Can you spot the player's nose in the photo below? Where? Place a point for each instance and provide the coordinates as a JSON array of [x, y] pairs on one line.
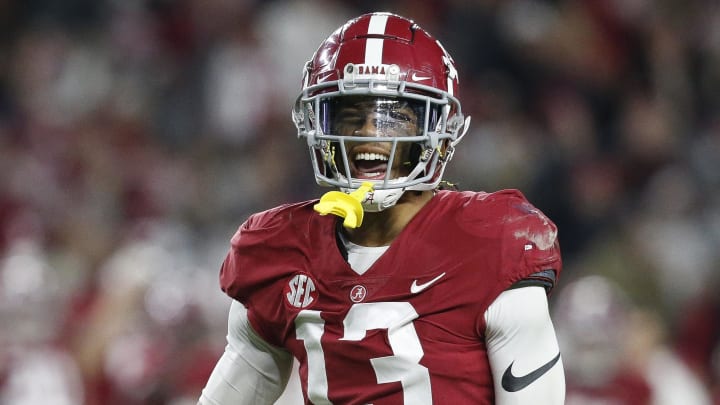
[[370, 126]]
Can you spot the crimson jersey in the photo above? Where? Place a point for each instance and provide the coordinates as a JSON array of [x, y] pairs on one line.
[[409, 330]]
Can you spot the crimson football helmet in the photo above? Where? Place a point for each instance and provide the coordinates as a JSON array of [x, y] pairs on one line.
[[380, 103]]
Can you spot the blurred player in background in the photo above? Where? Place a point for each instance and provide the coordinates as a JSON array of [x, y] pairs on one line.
[[615, 350], [392, 290]]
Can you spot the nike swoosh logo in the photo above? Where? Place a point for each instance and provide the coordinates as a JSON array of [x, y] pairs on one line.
[[416, 288], [323, 78], [512, 384], [417, 78]]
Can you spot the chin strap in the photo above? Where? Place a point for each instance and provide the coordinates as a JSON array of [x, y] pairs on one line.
[[347, 206]]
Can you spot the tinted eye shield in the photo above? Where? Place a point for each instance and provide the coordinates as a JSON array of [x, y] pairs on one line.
[[331, 138], [372, 117]]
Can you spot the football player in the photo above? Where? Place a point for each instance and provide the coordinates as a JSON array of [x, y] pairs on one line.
[[407, 293]]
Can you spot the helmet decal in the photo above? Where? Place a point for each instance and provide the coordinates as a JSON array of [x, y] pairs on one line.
[[354, 72], [374, 46]]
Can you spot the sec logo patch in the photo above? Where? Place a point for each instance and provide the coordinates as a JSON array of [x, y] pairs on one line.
[[300, 291]]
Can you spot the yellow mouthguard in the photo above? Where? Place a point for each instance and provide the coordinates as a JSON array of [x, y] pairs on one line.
[[344, 205]]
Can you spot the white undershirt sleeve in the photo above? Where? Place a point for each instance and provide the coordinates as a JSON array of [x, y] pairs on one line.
[[523, 350], [250, 371]]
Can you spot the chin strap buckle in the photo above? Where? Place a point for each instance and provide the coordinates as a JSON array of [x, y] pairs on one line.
[[347, 206]]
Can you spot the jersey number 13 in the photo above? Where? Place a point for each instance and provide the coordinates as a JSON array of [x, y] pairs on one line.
[[402, 366]]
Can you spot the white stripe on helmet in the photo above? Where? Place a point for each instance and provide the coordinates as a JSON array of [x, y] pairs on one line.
[[374, 46]]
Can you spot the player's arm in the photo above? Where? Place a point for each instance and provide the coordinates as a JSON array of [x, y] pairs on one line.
[[523, 350], [251, 371]]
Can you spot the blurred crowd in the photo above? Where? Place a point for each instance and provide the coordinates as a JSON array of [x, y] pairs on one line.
[[136, 135]]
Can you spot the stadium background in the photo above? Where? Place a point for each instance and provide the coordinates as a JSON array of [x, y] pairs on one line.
[[135, 136]]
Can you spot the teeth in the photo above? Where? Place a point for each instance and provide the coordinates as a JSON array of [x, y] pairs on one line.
[[371, 156]]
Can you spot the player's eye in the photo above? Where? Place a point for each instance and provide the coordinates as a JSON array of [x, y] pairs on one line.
[[347, 121], [401, 117]]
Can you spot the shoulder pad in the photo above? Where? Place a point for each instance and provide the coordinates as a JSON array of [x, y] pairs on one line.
[[274, 219]]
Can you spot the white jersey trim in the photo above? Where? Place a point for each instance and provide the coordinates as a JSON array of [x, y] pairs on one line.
[[360, 258]]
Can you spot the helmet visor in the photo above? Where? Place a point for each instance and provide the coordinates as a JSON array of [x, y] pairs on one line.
[[373, 116]]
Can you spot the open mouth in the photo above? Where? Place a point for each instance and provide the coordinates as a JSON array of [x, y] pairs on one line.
[[370, 165]]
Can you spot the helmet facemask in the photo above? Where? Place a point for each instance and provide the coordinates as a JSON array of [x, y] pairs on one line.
[[398, 143]]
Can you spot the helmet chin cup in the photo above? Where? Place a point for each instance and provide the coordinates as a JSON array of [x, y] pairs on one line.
[[378, 200]]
